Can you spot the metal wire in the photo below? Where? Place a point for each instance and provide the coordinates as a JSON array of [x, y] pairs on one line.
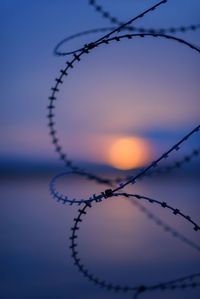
[[64, 72], [121, 27], [183, 282], [166, 227], [172, 30], [161, 170], [105, 14], [123, 288]]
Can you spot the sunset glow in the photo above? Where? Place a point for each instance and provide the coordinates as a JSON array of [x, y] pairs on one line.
[[129, 152]]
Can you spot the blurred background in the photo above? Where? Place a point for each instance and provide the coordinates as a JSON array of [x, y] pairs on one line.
[[119, 108]]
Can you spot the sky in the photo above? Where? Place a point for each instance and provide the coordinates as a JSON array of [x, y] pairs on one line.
[[144, 87]]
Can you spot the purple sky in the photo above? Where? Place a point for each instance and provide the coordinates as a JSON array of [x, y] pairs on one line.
[[137, 87]]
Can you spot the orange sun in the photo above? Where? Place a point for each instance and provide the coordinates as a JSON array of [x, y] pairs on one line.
[[129, 152]]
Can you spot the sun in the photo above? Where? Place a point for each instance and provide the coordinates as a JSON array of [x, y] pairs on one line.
[[129, 152]]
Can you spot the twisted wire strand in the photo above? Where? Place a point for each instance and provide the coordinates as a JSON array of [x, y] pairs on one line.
[[172, 30], [109, 193], [178, 283], [167, 168], [105, 37], [163, 204], [169, 287], [123, 25], [166, 227], [179, 280], [58, 52], [150, 215], [161, 170], [156, 162], [62, 197], [116, 287], [64, 72], [176, 164], [55, 89]]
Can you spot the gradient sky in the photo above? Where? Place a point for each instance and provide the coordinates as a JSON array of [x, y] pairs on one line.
[[146, 87]]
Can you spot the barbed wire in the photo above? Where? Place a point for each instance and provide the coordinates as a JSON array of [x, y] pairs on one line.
[[167, 168], [99, 8], [105, 37], [64, 72], [183, 282], [117, 287], [166, 227], [159, 171], [173, 30], [183, 286], [73, 36]]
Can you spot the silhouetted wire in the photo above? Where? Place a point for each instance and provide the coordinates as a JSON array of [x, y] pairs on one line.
[[171, 30], [113, 30], [155, 163], [64, 72], [117, 287], [99, 8], [114, 20], [109, 193], [167, 168], [64, 199], [166, 227], [172, 286], [158, 171], [73, 36]]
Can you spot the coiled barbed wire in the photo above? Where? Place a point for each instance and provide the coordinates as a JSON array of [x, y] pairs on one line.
[[158, 171], [113, 30], [116, 287], [183, 282], [64, 72], [172, 30], [166, 227], [114, 20]]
